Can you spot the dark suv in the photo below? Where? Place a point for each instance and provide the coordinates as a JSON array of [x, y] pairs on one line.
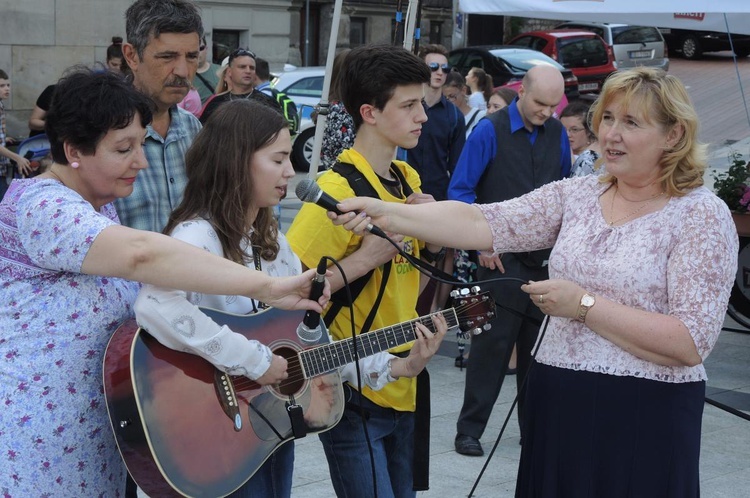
[[508, 64], [691, 44]]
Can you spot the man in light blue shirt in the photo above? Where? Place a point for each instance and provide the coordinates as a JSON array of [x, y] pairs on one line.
[[162, 51]]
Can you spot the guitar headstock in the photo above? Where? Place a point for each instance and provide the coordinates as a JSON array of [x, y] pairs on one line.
[[474, 309]]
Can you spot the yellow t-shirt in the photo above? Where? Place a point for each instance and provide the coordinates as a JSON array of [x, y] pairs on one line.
[[312, 235]]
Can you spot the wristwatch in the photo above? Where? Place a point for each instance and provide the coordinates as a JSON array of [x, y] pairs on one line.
[[587, 302]]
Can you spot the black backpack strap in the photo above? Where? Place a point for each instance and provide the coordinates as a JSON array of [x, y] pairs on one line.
[[339, 299], [371, 316], [357, 180], [473, 117], [206, 83], [404, 184]]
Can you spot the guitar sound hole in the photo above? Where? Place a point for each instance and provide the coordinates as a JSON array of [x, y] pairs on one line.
[[294, 383]]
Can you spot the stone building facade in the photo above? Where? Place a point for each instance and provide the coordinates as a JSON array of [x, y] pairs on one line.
[[39, 39]]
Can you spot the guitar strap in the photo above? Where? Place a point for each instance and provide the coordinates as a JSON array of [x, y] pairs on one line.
[[256, 260]]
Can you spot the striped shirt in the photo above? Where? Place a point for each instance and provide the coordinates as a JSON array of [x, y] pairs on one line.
[[159, 188]]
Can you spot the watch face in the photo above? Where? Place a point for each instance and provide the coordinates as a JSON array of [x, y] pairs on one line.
[[587, 300]]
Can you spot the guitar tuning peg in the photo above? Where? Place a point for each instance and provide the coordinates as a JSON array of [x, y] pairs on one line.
[[464, 291], [475, 289], [487, 326], [476, 331], [454, 293]]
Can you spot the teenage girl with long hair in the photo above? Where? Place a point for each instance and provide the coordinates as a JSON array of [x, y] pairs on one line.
[[238, 168]]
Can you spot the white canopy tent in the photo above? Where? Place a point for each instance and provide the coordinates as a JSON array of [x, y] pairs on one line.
[[731, 16], [727, 16]]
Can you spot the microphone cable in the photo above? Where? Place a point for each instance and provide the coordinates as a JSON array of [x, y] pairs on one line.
[[441, 276], [355, 344], [512, 407]]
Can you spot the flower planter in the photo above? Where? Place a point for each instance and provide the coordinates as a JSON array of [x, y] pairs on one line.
[[742, 222]]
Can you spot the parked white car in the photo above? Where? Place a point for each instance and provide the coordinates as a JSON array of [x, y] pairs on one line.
[[304, 85]]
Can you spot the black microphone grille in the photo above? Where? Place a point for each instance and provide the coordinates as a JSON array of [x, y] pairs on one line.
[[307, 190]]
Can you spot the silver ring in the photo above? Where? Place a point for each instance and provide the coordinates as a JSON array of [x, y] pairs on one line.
[[541, 298]]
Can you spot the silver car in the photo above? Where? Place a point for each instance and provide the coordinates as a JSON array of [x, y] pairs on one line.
[[632, 45], [304, 85]]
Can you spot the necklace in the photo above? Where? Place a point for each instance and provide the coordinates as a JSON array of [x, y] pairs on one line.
[[632, 213], [240, 96]]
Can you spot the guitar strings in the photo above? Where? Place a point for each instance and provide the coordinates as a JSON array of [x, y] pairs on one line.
[[243, 383]]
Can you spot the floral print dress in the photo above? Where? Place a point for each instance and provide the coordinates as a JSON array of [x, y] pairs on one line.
[[55, 436], [339, 135]]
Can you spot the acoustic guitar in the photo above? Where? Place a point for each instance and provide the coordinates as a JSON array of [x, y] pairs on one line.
[[184, 428]]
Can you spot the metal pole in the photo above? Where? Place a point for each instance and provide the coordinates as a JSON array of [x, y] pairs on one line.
[[307, 32], [320, 126]]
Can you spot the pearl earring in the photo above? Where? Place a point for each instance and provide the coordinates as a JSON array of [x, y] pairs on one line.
[[74, 165]]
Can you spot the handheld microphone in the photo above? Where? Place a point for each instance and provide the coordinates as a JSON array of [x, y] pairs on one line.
[[309, 330], [309, 191]]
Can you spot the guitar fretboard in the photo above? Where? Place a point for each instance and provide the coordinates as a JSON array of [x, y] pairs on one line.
[[329, 357]]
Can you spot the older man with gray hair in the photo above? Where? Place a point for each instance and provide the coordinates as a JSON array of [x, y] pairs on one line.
[[162, 50]]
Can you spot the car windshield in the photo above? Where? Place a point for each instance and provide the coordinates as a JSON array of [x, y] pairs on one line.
[[635, 34], [581, 52], [306, 87], [523, 60]]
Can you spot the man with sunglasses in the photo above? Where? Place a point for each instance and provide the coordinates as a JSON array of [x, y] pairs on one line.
[[162, 49], [241, 73], [444, 133], [436, 154]]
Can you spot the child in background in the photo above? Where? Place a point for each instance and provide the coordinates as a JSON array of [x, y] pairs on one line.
[[6, 156]]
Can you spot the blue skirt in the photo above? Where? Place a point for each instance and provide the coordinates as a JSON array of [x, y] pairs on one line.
[[591, 435]]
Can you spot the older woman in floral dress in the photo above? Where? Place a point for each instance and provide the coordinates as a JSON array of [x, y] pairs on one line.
[[68, 272]]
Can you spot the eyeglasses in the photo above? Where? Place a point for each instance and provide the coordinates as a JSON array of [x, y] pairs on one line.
[[575, 129], [452, 97], [434, 66], [240, 52]]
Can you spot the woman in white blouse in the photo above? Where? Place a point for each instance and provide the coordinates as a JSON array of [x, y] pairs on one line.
[[480, 84], [643, 261], [238, 169]]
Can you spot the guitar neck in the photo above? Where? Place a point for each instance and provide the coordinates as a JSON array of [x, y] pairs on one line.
[[323, 359]]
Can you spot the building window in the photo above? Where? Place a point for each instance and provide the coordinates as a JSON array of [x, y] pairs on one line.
[[357, 31], [436, 32], [224, 41]]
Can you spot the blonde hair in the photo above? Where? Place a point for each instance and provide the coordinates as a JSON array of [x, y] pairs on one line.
[[222, 85], [663, 100]]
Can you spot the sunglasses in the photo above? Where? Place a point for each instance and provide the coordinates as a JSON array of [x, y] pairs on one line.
[[434, 66], [240, 52]]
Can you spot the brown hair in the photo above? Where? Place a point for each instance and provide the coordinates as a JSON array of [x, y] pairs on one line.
[[432, 48], [334, 93], [220, 184], [507, 94], [484, 82]]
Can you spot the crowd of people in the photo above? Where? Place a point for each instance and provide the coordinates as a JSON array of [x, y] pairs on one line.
[[159, 199]]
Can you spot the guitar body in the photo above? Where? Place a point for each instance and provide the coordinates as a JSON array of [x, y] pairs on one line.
[[185, 428]]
